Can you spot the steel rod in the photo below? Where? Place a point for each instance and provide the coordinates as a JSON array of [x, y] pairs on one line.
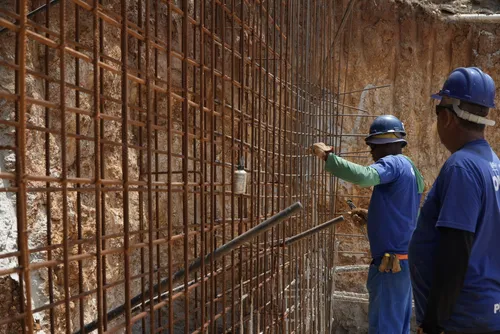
[[473, 18], [313, 230], [195, 265], [141, 126], [364, 89], [36, 11]]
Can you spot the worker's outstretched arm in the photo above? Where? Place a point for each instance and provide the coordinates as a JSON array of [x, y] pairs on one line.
[[351, 172]]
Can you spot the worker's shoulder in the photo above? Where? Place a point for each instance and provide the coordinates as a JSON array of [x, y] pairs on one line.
[[473, 153], [460, 159], [398, 164], [392, 159], [477, 164], [400, 160], [472, 156], [395, 162]]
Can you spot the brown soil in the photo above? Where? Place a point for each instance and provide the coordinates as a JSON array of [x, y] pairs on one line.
[[401, 43]]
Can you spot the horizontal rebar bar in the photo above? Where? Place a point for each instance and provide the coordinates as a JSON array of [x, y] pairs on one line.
[[473, 18], [364, 89], [195, 265], [239, 240], [133, 118], [352, 268], [33, 12]]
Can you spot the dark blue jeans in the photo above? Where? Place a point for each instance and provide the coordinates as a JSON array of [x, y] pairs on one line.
[[389, 311]]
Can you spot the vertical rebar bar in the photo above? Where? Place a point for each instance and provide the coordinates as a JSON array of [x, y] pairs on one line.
[[233, 199], [185, 153], [204, 243], [102, 169], [124, 159], [222, 18], [47, 170], [64, 161], [237, 79], [78, 171], [169, 166], [149, 164], [22, 221], [96, 106]]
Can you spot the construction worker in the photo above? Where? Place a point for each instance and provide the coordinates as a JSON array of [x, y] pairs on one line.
[[454, 252], [391, 219]]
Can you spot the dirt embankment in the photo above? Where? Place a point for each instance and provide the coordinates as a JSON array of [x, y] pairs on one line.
[[401, 43], [407, 44]]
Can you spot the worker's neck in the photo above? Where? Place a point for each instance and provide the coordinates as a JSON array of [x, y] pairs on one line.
[[462, 138], [395, 152]]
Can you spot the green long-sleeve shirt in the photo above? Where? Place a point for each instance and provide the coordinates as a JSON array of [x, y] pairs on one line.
[[364, 176]]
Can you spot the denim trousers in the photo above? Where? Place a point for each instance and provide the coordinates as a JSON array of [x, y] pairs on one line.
[[389, 311]]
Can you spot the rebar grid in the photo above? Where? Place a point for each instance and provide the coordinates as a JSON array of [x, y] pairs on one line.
[[122, 124]]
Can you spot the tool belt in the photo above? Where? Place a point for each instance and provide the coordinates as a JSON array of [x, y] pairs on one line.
[[390, 263]]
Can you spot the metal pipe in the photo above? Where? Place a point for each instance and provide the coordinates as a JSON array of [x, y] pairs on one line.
[[219, 252], [313, 230], [241, 239]]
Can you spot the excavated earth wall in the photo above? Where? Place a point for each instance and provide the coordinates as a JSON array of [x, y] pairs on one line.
[[401, 43], [409, 46]]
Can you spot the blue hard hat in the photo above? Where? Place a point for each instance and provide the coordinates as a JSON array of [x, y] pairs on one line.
[[469, 84], [386, 129]]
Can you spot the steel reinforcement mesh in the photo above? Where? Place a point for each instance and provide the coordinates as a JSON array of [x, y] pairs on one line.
[[122, 124]]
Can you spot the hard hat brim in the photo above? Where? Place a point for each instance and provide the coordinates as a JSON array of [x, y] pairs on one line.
[[437, 96], [382, 141]]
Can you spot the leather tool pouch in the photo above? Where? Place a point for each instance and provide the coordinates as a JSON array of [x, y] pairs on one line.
[[389, 263]]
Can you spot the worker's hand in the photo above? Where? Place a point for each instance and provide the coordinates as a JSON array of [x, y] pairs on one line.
[[359, 215], [321, 150]]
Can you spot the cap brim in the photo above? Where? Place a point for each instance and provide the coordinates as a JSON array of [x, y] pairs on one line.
[[382, 141], [436, 96]]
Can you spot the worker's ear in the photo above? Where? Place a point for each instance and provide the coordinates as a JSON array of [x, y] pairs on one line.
[[455, 119], [449, 119]]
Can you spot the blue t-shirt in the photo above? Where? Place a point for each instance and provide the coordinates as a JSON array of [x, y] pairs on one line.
[[393, 206], [465, 196]]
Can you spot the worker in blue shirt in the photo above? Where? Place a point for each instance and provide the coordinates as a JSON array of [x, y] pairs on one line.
[[391, 219], [454, 254]]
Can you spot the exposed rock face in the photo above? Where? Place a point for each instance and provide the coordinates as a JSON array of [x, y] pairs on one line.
[[406, 45], [400, 43]]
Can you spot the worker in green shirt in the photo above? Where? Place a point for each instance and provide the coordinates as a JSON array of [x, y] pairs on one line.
[[391, 219]]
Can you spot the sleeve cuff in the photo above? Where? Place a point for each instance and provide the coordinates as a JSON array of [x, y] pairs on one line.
[[456, 226]]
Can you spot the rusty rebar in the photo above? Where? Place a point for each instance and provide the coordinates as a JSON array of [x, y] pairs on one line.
[[36, 11], [197, 264], [141, 124], [22, 220]]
